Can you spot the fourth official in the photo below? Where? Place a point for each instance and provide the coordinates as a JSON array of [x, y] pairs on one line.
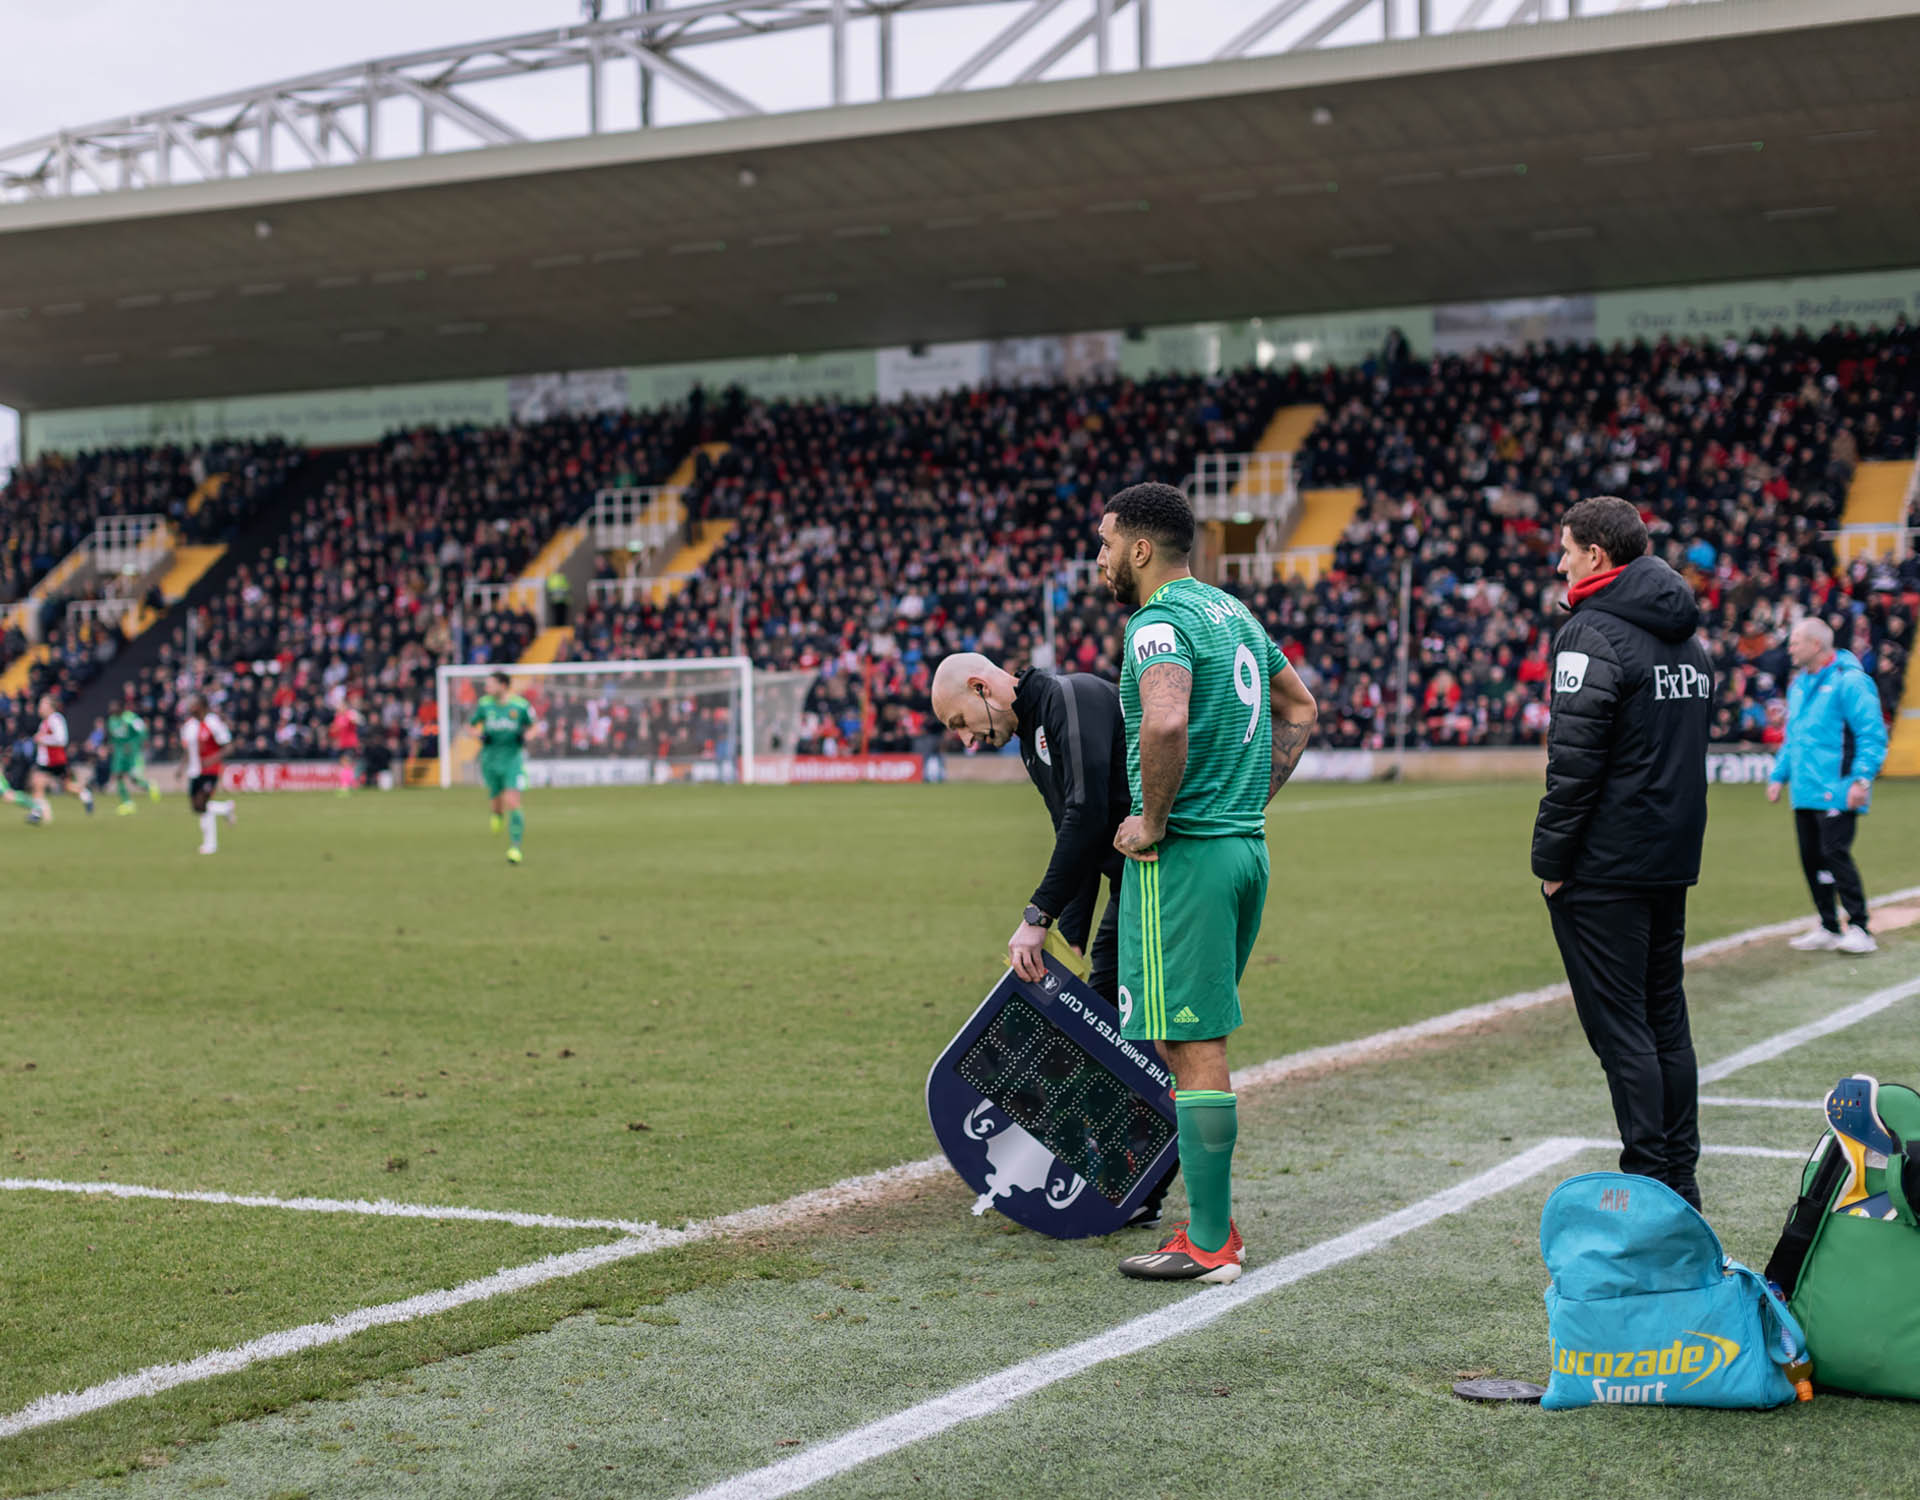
[[1617, 839]]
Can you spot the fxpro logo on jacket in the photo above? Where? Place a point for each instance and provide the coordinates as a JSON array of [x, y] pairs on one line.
[[1680, 682], [1632, 1376]]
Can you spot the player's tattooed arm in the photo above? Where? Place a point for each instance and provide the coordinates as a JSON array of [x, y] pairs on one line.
[[1294, 715], [1165, 691]]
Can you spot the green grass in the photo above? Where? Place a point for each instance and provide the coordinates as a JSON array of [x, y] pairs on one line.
[[1334, 1387], [361, 999]]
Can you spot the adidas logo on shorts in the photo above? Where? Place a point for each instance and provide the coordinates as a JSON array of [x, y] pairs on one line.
[[1184, 1016]]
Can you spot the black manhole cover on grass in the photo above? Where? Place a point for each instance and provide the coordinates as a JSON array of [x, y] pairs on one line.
[[1498, 1390]]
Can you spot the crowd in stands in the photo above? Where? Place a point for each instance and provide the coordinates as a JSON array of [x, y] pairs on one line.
[[1738, 454], [366, 593], [871, 538], [52, 505], [874, 537]]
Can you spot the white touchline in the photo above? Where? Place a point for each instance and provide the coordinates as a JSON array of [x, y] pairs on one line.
[[866, 1188], [864, 1444], [1786, 1041], [63, 1406], [1813, 1104], [888, 1435], [1341, 1053], [1771, 1153], [379, 1207]]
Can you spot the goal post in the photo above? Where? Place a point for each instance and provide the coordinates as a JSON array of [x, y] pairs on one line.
[[615, 723]]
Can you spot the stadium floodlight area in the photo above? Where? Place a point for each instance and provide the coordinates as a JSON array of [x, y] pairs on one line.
[[632, 723], [461, 97]]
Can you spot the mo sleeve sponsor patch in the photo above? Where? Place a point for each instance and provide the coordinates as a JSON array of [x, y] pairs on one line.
[[1157, 640], [1570, 671]]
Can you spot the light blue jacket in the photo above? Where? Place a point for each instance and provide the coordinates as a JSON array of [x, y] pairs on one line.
[[1835, 735]]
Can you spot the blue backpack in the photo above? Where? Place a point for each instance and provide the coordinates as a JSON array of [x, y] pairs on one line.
[[1646, 1309]]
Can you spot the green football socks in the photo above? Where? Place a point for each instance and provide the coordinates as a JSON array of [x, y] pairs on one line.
[[516, 825], [1209, 1125]]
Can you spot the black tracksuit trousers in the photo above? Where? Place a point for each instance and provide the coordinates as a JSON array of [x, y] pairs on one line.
[[1826, 855], [1622, 948]]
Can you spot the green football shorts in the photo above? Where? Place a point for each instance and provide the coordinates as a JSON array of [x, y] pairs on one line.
[[1187, 925], [503, 773], [124, 763]]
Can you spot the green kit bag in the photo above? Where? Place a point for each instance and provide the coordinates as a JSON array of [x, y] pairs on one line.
[[1849, 1259]]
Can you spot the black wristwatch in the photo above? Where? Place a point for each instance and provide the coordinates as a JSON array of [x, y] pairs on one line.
[[1034, 917]]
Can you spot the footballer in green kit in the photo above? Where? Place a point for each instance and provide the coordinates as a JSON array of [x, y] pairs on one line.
[[1216, 721], [505, 723], [127, 757]]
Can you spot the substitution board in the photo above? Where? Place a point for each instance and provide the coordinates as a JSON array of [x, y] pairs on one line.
[[1048, 1113]]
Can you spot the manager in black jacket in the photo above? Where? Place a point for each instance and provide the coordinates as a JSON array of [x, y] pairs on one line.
[[1073, 742], [1617, 840]]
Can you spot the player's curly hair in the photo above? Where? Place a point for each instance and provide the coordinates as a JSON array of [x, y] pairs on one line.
[[1157, 512]]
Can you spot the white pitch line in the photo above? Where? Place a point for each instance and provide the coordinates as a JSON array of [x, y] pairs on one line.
[[1771, 1153], [983, 1397], [1816, 1105], [853, 1190], [1397, 799], [1786, 1041], [379, 1207], [151, 1381], [62, 1406], [1342, 1053]]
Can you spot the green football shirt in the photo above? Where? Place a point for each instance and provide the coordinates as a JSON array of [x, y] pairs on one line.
[[503, 724], [126, 730], [1229, 716]]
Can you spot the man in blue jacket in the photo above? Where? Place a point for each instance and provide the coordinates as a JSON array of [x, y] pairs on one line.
[[1836, 741]]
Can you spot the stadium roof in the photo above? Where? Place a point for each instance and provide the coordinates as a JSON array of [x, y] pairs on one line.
[[1760, 138]]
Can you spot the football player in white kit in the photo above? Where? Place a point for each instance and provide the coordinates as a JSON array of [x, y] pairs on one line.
[[205, 737], [52, 765]]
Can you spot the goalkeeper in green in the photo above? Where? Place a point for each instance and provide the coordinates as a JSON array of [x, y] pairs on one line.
[[505, 723], [127, 757]]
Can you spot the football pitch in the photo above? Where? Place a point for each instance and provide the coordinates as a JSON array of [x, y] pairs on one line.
[[535, 1155]]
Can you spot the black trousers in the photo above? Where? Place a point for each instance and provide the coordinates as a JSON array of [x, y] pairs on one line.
[[1103, 957], [1826, 854], [1621, 948], [1103, 974]]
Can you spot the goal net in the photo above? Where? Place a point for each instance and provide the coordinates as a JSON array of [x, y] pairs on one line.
[[630, 723]]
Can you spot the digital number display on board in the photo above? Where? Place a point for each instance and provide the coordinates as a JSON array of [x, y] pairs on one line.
[[1050, 1115]]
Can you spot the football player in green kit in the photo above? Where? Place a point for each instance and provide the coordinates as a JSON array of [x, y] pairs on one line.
[[127, 752], [505, 723], [1216, 720]]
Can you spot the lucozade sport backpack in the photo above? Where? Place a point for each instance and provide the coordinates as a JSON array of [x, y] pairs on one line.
[[1849, 1259], [1647, 1309]]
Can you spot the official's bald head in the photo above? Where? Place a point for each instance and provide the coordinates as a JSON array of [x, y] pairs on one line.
[[1810, 644], [974, 698]]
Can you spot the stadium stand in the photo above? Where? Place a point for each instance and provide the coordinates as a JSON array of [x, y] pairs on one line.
[[1739, 454], [866, 539], [366, 592], [52, 506], [874, 537]]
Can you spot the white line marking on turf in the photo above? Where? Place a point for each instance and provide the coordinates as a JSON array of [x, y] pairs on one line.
[[1816, 1105], [855, 1190], [156, 1378], [1397, 799], [1786, 1041], [380, 1207], [1341, 1053], [151, 1381], [1772, 1153], [982, 1397]]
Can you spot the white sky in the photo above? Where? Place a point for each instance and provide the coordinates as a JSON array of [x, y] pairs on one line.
[[78, 62]]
